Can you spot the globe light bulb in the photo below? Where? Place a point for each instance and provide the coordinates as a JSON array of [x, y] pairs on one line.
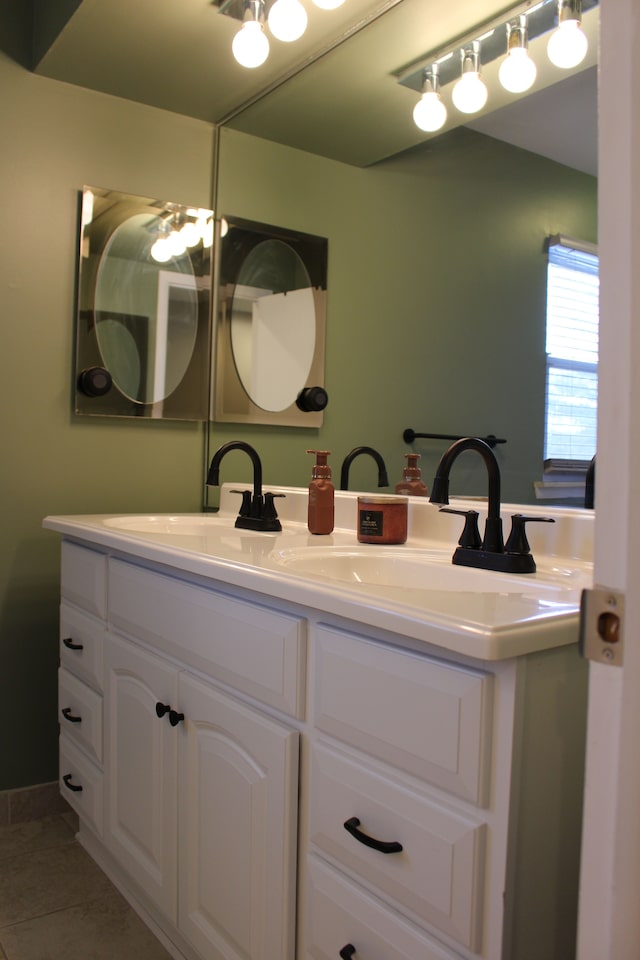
[[567, 45], [429, 113], [287, 20], [175, 243], [161, 250], [517, 71], [470, 93], [250, 45], [190, 234], [328, 4]]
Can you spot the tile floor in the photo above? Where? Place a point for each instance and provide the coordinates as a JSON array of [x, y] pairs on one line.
[[56, 904]]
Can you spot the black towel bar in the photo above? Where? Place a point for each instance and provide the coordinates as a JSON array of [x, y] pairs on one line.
[[410, 435]]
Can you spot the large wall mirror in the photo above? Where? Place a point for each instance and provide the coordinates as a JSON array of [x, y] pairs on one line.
[[272, 293], [143, 323]]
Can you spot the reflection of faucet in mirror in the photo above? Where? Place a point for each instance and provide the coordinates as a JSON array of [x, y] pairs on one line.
[[257, 511], [383, 480], [590, 485], [490, 552]]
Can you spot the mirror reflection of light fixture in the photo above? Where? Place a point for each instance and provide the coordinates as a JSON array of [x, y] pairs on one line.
[[470, 92], [517, 71], [430, 113], [250, 45], [568, 44], [458, 63], [287, 20]]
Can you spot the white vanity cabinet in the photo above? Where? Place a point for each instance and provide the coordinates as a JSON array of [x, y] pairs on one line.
[[82, 628], [434, 814], [200, 785]]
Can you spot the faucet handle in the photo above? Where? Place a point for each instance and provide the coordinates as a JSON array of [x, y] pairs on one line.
[[245, 508], [470, 536], [517, 542], [269, 511]]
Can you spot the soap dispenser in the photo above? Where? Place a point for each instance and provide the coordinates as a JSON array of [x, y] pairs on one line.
[[320, 516], [412, 484]]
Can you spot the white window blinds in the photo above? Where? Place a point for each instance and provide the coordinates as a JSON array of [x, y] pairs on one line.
[[572, 350]]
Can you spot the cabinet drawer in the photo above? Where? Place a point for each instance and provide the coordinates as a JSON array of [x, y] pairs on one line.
[[340, 914], [81, 784], [251, 647], [424, 716], [438, 873], [84, 578], [81, 644], [80, 713]]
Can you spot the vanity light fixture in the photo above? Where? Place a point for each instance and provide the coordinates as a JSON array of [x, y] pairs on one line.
[[175, 237], [430, 113], [470, 92], [454, 71], [568, 43], [287, 20], [328, 4], [250, 45], [517, 71]]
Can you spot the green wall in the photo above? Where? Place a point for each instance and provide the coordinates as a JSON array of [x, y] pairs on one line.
[[56, 138], [436, 298], [435, 318]]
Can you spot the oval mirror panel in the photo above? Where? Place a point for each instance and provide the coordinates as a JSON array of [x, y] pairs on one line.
[[146, 313], [273, 325]]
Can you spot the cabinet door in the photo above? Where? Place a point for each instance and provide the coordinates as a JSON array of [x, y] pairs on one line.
[[238, 827], [140, 769]]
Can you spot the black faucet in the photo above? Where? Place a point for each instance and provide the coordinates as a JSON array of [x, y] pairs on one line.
[[383, 480], [490, 552], [257, 511]]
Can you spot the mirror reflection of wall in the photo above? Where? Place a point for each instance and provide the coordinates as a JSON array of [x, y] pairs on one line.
[[144, 292], [436, 315]]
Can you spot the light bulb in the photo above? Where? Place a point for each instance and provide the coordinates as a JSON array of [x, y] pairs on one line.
[[250, 45], [429, 113], [207, 233], [190, 234], [287, 20], [470, 93], [160, 250], [517, 71], [328, 4], [567, 45], [175, 243]]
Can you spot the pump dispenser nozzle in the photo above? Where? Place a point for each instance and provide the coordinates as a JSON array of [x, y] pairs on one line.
[[320, 517]]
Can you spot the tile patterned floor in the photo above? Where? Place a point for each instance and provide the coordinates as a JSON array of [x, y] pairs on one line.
[[56, 904]]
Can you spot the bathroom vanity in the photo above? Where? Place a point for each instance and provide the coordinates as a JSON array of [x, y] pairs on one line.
[[276, 760]]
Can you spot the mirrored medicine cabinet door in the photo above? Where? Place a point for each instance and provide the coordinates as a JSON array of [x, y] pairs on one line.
[[143, 331]]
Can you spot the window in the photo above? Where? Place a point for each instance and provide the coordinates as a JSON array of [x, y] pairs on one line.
[[572, 352]]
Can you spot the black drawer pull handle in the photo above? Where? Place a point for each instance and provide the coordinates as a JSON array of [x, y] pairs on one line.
[[382, 846], [70, 645], [66, 713], [175, 717], [347, 951], [161, 709], [71, 786]]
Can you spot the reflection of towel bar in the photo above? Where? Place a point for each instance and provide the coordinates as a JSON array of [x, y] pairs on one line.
[[410, 435]]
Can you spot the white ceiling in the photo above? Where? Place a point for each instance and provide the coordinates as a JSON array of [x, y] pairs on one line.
[[334, 92]]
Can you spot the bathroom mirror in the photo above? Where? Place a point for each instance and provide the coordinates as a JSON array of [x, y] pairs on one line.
[[143, 322], [271, 321]]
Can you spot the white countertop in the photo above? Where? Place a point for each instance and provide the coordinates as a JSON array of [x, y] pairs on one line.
[[493, 617]]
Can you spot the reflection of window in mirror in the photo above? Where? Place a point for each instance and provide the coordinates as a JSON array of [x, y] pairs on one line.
[[572, 322]]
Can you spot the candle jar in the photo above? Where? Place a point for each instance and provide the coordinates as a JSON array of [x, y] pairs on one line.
[[382, 519]]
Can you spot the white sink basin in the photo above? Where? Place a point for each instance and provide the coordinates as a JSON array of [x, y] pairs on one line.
[[186, 526], [417, 569]]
